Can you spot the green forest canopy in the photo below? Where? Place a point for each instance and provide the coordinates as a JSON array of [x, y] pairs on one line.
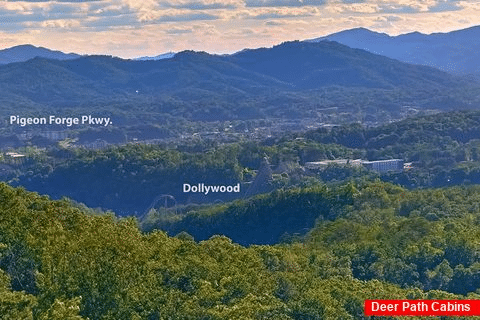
[[62, 262], [444, 149]]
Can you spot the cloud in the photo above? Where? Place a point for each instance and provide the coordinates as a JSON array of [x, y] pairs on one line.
[[104, 23], [280, 15], [270, 13], [204, 6], [35, 15], [41, 11], [386, 21], [130, 21], [219, 25], [274, 23], [398, 8], [9, 17], [50, 1], [60, 24], [353, 1], [186, 17], [16, 16], [357, 8], [284, 3], [178, 31], [445, 5], [393, 18], [110, 10]]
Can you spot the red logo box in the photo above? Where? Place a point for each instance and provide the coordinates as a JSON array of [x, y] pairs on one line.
[[422, 307]]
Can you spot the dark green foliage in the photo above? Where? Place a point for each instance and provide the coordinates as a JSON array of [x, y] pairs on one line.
[[442, 147], [127, 179], [443, 150], [395, 241], [265, 219], [101, 267], [14, 304], [312, 65], [440, 128], [425, 239], [294, 80]]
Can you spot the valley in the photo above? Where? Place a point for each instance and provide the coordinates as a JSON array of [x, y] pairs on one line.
[[290, 182]]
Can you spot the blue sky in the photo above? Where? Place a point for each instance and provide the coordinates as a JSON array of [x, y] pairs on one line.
[[130, 28]]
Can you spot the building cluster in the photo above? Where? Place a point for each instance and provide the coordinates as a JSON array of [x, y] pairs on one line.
[[379, 165], [14, 158], [49, 134]]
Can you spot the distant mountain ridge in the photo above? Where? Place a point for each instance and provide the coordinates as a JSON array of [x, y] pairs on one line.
[[290, 79], [456, 52], [162, 56], [26, 52], [327, 63], [290, 65]]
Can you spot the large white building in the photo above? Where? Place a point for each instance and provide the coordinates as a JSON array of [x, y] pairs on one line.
[[384, 165]]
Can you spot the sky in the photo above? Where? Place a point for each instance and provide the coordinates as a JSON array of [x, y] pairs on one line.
[[133, 28]]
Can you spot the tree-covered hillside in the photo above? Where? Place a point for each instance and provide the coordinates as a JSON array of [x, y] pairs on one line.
[[128, 178], [454, 52], [444, 150], [294, 79], [423, 238], [61, 262]]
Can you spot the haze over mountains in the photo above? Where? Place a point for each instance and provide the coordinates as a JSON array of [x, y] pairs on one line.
[[456, 52]]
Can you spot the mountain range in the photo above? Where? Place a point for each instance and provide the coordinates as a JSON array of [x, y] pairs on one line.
[[309, 66], [456, 52], [214, 79], [26, 52], [290, 80], [167, 55]]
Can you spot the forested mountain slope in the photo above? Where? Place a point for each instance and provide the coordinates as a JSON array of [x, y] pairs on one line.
[[444, 150], [454, 52], [201, 86], [26, 52], [62, 262]]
